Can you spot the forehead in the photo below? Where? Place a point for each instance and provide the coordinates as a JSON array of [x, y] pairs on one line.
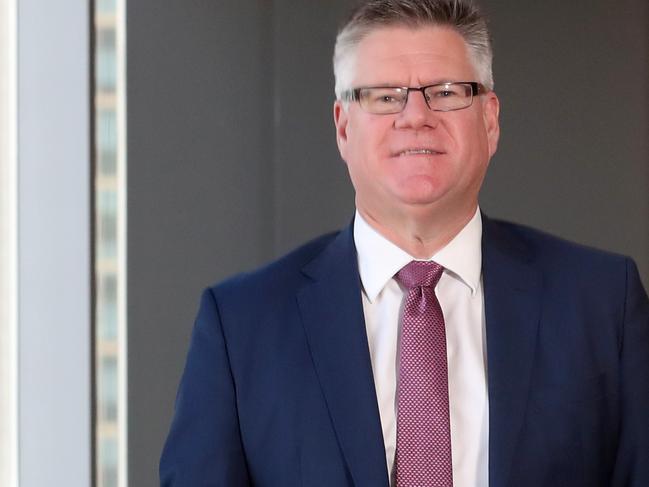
[[412, 56]]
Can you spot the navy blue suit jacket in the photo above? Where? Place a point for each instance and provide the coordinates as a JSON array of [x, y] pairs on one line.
[[278, 387]]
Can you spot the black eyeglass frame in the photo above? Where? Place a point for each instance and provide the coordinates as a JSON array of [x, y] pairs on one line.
[[476, 89]]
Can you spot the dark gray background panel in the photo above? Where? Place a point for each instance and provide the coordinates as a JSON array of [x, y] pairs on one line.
[[313, 193], [199, 172], [573, 81], [232, 157]]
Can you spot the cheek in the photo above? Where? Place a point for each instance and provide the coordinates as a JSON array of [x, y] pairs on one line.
[[355, 157], [472, 143], [367, 146]]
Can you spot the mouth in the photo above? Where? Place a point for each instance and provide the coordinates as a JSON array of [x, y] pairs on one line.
[[418, 152]]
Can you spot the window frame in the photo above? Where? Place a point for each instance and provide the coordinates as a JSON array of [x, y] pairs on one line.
[[8, 247]]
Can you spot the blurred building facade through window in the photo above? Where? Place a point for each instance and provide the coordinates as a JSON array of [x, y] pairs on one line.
[[109, 218]]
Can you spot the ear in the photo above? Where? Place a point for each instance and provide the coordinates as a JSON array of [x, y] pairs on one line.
[[341, 120], [491, 115]]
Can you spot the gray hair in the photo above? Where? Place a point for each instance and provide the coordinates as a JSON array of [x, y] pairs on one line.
[[461, 15]]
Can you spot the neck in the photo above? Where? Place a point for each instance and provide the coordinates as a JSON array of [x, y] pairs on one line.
[[421, 235]]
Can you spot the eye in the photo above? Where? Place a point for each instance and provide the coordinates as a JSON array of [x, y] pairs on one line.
[[386, 99], [445, 93], [447, 90]]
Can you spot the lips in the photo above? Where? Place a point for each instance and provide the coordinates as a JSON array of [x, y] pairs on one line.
[[418, 151]]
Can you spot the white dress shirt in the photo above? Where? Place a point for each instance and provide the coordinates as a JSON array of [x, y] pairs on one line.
[[462, 300]]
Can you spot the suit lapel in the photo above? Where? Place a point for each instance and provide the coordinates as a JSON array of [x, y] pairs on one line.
[[332, 314], [512, 310]]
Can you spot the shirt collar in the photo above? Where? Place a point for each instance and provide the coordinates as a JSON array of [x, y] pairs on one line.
[[379, 259]]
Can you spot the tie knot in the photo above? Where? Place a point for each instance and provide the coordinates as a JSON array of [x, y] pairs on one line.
[[418, 273]]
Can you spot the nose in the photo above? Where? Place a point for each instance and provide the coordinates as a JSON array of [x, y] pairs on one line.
[[416, 113]]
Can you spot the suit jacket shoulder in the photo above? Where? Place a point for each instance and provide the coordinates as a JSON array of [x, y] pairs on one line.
[[276, 278], [569, 264]]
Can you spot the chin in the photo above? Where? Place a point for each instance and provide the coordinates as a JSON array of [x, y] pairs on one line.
[[423, 193]]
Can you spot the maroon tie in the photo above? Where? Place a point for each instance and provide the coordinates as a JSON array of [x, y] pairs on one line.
[[423, 456]]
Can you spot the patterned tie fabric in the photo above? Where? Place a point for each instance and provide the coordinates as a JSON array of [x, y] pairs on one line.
[[423, 455]]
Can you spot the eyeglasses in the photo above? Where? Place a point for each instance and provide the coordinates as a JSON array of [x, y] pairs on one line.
[[442, 97]]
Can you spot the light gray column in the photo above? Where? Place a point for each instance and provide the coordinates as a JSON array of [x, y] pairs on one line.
[[54, 244]]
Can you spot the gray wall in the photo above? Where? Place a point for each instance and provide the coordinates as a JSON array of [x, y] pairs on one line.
[[574, 153], [232, 157]]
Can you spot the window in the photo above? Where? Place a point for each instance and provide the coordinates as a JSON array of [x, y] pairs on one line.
[[107, 311], [108, 389], [107, 142], [109, 227], [106, 224], [106, 60], [109, 474], [108, 7]]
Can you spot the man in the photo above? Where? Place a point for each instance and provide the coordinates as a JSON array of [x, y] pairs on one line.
[[425, 345]]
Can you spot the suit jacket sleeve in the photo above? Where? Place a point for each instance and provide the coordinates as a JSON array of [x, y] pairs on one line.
[[632, 465], [204, 446]]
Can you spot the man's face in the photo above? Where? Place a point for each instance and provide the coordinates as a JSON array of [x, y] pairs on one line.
[[390, 177]]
